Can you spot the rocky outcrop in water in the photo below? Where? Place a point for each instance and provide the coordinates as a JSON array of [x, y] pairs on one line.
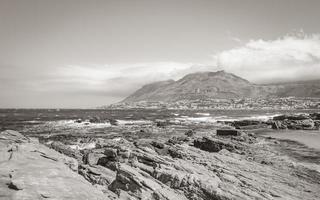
[[296, 122]]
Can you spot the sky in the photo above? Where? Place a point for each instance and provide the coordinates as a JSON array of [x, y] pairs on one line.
[[83, 54]]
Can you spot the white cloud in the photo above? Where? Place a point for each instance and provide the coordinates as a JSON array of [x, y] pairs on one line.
[[284, 59], [117, 79]]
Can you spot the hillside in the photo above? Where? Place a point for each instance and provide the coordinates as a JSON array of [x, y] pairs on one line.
[[219, 85]]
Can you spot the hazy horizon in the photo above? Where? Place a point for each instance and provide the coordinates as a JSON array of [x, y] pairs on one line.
[[83, 54]]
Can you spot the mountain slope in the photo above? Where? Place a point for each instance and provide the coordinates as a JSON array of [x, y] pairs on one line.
[[219, 85]]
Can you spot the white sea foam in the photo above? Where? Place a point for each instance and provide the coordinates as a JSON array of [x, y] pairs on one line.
[[222, 118], [134, 122], [73, 124], [91, 145], [204, 114]]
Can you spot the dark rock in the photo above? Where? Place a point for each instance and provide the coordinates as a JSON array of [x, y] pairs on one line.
[[113, 122], [265, 162], [158, 145], [162, 123], [108, 163], [178, 140], [190, 133], [228, 132], [92, 158], [213, 144], [278, 125], [96, 120], [250, 127], [292, 117], [245, 123], [110, 153], [315, 116], [78, 121], [317, 124]]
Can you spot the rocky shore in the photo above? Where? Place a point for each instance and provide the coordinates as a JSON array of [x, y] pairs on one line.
[[290, 122], [233, 164]]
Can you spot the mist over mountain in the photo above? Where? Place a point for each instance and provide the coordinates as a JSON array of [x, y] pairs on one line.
[[220, 85]]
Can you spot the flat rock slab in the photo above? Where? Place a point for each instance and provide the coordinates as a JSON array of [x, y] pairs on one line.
[[29, 170]]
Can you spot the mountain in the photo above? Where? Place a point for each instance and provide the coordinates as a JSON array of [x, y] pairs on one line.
[[220, 85]]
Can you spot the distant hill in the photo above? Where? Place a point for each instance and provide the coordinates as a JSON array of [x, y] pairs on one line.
[[220, 85]]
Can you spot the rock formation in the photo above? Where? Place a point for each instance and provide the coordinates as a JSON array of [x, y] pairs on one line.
[[29, 170], [194, 167]]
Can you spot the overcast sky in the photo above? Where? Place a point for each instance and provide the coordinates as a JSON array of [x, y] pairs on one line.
[[79, 54]]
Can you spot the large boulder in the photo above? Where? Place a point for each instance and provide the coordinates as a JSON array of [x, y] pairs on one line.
[[29, 170]]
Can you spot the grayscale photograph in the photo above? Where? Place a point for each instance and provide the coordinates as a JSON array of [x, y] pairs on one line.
[[159, 99]]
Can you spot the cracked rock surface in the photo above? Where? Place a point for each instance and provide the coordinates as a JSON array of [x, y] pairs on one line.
[[198, 167], [29, 171]]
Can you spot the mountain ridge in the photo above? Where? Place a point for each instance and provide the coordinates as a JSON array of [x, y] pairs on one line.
[[220, 85]]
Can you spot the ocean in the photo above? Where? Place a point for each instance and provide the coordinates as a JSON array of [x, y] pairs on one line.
[[34, 121]]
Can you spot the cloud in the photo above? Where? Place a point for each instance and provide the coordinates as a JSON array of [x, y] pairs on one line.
[[117, 79], [284, 59]]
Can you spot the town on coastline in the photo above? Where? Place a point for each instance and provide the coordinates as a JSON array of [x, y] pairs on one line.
[[286, 103]]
